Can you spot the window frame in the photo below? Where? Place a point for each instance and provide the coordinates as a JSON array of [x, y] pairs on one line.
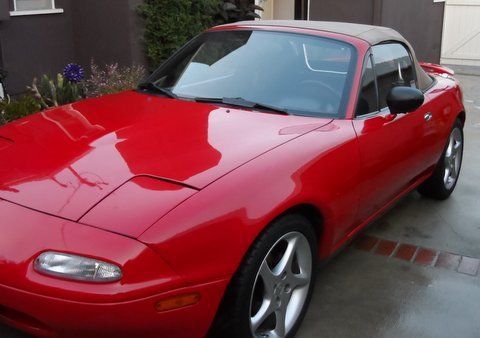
[[53, 10], [369, 54], [368, 57]]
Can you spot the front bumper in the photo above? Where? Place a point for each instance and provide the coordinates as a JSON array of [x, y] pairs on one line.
[[49, 306], [52, 317]]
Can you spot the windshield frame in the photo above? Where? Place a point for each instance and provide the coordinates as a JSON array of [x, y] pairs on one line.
[[349, 82]]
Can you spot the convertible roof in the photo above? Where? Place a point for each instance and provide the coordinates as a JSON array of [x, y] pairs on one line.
[[373, 35]]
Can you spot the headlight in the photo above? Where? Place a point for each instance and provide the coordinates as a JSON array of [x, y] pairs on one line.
[[77, 268]]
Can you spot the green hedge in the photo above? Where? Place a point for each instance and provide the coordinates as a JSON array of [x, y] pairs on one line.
[[171, 23], [11, 110]]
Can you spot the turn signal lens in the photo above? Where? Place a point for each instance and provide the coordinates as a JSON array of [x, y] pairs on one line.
[[77, 268], [177, 302]]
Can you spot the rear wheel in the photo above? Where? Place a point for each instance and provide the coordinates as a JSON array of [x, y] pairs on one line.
[[443, 181], [270, 293]]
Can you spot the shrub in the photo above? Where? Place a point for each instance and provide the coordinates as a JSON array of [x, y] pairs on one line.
[[171, 23], [236, 10], [14, 109], [50, 93], [112, 79]]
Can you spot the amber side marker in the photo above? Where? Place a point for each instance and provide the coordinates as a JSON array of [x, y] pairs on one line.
[[177, 302]]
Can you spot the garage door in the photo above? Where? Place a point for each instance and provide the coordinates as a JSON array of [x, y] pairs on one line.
[[461, 33]]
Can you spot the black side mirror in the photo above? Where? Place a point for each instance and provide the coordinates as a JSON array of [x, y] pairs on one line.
[[403, 100]]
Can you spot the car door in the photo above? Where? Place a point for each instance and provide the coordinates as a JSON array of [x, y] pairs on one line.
[[390, 145]]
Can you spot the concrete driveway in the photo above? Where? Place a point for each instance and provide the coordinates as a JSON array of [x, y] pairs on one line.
[[416, 274]]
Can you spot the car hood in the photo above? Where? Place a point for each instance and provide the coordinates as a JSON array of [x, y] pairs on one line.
[[65, 160]]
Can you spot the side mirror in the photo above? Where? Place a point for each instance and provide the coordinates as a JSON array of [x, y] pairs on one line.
[[403, 100]]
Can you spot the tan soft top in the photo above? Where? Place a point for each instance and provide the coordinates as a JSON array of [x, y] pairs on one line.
[[373, 35]]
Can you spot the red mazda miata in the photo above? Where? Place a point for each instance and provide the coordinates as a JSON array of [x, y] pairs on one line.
[[201, 202]]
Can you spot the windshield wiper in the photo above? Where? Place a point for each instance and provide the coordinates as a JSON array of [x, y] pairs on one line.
[[240, 102], [153, 87]]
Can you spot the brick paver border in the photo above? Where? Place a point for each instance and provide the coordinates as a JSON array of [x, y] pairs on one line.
[[419, 255]]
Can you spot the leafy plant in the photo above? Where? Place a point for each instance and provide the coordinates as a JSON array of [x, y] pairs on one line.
[[237, 10], [112, 79], [11, 109], [51, 93], [171, 23]]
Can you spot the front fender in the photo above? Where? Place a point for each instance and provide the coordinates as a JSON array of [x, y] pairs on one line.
[[207, 236]]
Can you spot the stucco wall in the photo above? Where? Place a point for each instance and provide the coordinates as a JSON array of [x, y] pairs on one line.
[[420, 21], [35, 44], [358, 11], [107, 30]]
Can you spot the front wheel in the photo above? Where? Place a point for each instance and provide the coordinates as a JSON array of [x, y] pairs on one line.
[[443, 181], [270, 293]]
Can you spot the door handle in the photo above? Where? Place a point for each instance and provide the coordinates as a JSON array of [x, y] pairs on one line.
[[428, 116]]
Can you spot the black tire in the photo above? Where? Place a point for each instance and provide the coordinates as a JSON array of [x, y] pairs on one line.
[[435, 187], [233, 317]]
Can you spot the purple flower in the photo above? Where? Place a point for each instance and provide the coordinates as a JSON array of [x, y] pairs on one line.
[[73, 73]]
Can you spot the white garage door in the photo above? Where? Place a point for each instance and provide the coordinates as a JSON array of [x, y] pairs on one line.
[[461, 33]]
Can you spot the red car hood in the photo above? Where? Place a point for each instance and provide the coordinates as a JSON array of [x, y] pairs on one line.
[[64, 161]]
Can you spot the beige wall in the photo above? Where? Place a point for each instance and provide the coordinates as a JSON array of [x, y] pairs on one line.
[[284, 9], [267, 6], [278, 9]]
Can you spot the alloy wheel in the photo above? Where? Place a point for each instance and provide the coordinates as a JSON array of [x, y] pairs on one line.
[[281, 287], [453, 158]]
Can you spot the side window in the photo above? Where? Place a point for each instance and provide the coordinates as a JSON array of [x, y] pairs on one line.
[[367, 101], [394, 67]]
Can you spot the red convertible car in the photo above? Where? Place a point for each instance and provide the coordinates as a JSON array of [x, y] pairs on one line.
[[200, 203]]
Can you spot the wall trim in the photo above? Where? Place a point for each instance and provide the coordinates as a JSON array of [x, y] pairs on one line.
[[37, 12]]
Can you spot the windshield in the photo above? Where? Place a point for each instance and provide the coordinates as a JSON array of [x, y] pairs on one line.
[[297, 73]]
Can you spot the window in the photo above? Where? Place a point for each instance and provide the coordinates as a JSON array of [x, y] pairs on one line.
[[394, 67], [368, 100], [327, 58], [31, 7], [302, 74]]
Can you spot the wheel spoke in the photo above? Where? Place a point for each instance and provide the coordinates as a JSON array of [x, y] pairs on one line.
[[280, 316], [266, 309], [451, 143], [268, 277], [285, 263], [453, 171], [447, 175], [457, 146], [299, 280]]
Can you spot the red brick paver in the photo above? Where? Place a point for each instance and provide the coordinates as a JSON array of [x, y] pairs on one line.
[[425, 256], [469, 266], [385, 247], [406, 252], [418, 255]]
